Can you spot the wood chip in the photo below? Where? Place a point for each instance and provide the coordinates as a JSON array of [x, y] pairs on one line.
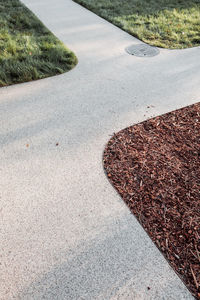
[[155, 167]]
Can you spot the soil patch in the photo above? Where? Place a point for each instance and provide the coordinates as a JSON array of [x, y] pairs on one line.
[[155, 167]]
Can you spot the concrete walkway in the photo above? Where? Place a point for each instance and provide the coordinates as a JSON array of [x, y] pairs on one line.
[[64, 231]]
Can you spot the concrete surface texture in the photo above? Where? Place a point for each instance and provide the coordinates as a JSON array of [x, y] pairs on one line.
[[65, 233]]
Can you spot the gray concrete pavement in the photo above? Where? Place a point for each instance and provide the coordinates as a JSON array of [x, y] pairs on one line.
[[64, 232]]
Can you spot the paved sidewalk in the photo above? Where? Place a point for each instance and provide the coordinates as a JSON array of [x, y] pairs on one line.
[[64, 232]]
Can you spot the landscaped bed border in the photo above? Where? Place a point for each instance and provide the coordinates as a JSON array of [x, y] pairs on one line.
[[155, 167]]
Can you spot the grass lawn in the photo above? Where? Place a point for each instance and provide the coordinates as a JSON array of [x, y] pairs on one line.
[[163, 23], [28, 50]]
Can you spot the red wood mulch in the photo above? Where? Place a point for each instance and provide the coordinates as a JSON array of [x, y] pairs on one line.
[[155, 167]]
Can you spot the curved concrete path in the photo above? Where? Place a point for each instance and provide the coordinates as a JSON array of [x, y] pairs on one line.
[[64, 232]]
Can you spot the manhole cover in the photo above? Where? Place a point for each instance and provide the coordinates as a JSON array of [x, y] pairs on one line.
[[142, 50]]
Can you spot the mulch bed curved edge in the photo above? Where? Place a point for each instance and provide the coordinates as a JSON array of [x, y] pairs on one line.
[[155, 167]]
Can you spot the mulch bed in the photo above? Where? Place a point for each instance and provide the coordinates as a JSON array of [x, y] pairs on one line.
[[155, 167]]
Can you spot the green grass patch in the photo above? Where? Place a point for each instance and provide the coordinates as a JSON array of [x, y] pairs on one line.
[[163, 23], [28, 50]]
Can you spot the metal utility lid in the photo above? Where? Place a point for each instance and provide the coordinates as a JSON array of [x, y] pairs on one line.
[[142, 50]]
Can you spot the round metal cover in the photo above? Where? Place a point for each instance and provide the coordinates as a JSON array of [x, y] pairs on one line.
[[142, 50]]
